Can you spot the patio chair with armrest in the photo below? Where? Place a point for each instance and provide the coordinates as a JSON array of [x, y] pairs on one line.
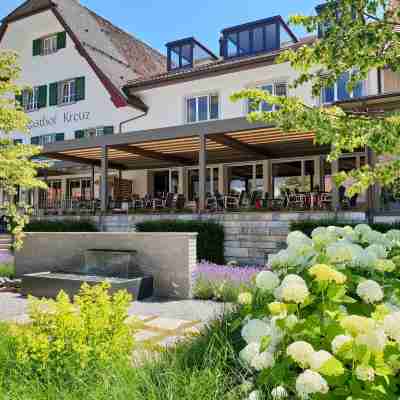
[[232, 202]]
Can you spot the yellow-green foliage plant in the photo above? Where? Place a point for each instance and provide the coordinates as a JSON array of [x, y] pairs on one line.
[[72, 339], [324, 322]]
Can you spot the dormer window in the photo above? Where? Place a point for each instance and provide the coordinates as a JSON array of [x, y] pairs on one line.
[[256, 37], [186, 53]]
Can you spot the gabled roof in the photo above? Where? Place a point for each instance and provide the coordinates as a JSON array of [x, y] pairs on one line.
[[115, 56]]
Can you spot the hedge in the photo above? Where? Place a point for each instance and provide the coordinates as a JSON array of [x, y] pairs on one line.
[[210, 241], [308, 226], [61, 226]]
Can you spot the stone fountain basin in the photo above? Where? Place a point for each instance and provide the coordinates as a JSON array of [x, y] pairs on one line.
[[49, 284]]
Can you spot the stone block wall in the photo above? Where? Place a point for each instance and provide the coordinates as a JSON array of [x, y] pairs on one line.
[[249, 236]]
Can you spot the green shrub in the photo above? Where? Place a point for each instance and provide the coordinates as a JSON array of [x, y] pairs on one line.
[[307, 226], [210, 240], [60, 226], [71, 340], [7, 270]]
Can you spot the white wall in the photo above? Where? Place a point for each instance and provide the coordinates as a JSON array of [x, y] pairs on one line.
[[97, 108]]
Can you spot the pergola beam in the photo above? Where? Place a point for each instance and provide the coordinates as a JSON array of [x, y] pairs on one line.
[[80, 160], [155, 155], [238, 145]]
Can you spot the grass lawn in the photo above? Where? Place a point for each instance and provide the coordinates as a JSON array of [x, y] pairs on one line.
[[203, 368]]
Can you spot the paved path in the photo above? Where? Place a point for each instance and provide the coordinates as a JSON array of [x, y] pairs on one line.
[[162, 322]]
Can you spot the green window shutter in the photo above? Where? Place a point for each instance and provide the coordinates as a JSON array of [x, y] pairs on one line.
[[80, 88], [35, 140], [59, 137], [37, 47], [42, 100], [18, 99], [61, 40], [79, 134], [108, 130], [53, 101]]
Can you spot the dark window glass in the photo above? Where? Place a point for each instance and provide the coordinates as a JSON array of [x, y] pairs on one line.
[[214, 107], [258, 39], [343, 93], [186, 55], [358, 90], [265, 106], [328, 94], [175, 58], [244, 42], [232, 45], [271, 43], [203, 108], [191, 110]]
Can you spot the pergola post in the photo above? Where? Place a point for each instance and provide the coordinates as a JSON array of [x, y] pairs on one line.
[[92, 184], [335, 189], [372, 201], [104, 179], [202, 172]]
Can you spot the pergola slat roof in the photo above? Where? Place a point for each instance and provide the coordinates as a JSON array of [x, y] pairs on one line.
[[227, 141]]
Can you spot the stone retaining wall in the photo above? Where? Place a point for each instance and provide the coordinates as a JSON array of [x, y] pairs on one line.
[[249, 237]]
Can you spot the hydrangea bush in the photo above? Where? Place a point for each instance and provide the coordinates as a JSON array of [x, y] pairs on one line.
[[328, 325]]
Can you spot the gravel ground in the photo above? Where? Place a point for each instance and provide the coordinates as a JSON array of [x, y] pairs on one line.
[[14, 307]]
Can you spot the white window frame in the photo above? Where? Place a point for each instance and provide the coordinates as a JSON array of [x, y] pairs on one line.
[[336, 90], [197, 97], [30, 99], [261, 86], [49, 45], [71, 92]]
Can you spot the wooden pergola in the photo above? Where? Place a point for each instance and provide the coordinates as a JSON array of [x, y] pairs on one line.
[[232, 140]]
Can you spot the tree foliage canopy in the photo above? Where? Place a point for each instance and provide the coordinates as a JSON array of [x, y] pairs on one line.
[[17, 169], [360, 36]]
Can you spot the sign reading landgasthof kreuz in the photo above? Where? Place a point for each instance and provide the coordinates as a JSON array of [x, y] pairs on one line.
[[67, 118]]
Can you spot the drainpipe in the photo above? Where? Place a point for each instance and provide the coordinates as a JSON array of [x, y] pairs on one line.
[[122, 123]]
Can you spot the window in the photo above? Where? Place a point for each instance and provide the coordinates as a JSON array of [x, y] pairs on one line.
[[202, 108], [276, 89], [47, 139], [67, 92], [92, 132], [30, 99], [256, 37], [49, 45], [340, 92], [33, 99]]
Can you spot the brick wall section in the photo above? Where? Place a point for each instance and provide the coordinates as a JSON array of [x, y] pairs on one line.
[[249, 237]]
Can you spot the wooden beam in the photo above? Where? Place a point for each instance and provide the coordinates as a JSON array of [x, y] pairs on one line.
[[79, 160], [155, 155], [238, 145]]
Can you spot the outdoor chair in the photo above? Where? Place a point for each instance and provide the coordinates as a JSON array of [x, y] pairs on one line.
[[297, 200], [325, 201], [179, 201], [168, 202], [232, 202], [211, 203]]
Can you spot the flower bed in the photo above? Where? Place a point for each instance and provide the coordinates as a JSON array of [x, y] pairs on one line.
[[328, 326], [222, 282]]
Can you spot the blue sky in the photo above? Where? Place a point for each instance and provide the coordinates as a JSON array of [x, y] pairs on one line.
[[160, 21]]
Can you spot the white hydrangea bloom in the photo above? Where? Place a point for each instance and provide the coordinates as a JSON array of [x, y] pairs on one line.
[[339, 341], [379, 250], [255, 395], [297, 237], [267, 280], [363, 259], [391, 325], [300, 352], [291, 321], [365, 373], [318, 359], [262, 361], [342, 252], [374, 237], [255, 330], [249, 352], [370, 291], [375, 340], [293, 289], [279, 393], [310, 382], [394, 236], [362, 229]]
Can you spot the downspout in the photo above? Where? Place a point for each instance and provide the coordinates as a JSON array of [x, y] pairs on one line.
[[122, 123]]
